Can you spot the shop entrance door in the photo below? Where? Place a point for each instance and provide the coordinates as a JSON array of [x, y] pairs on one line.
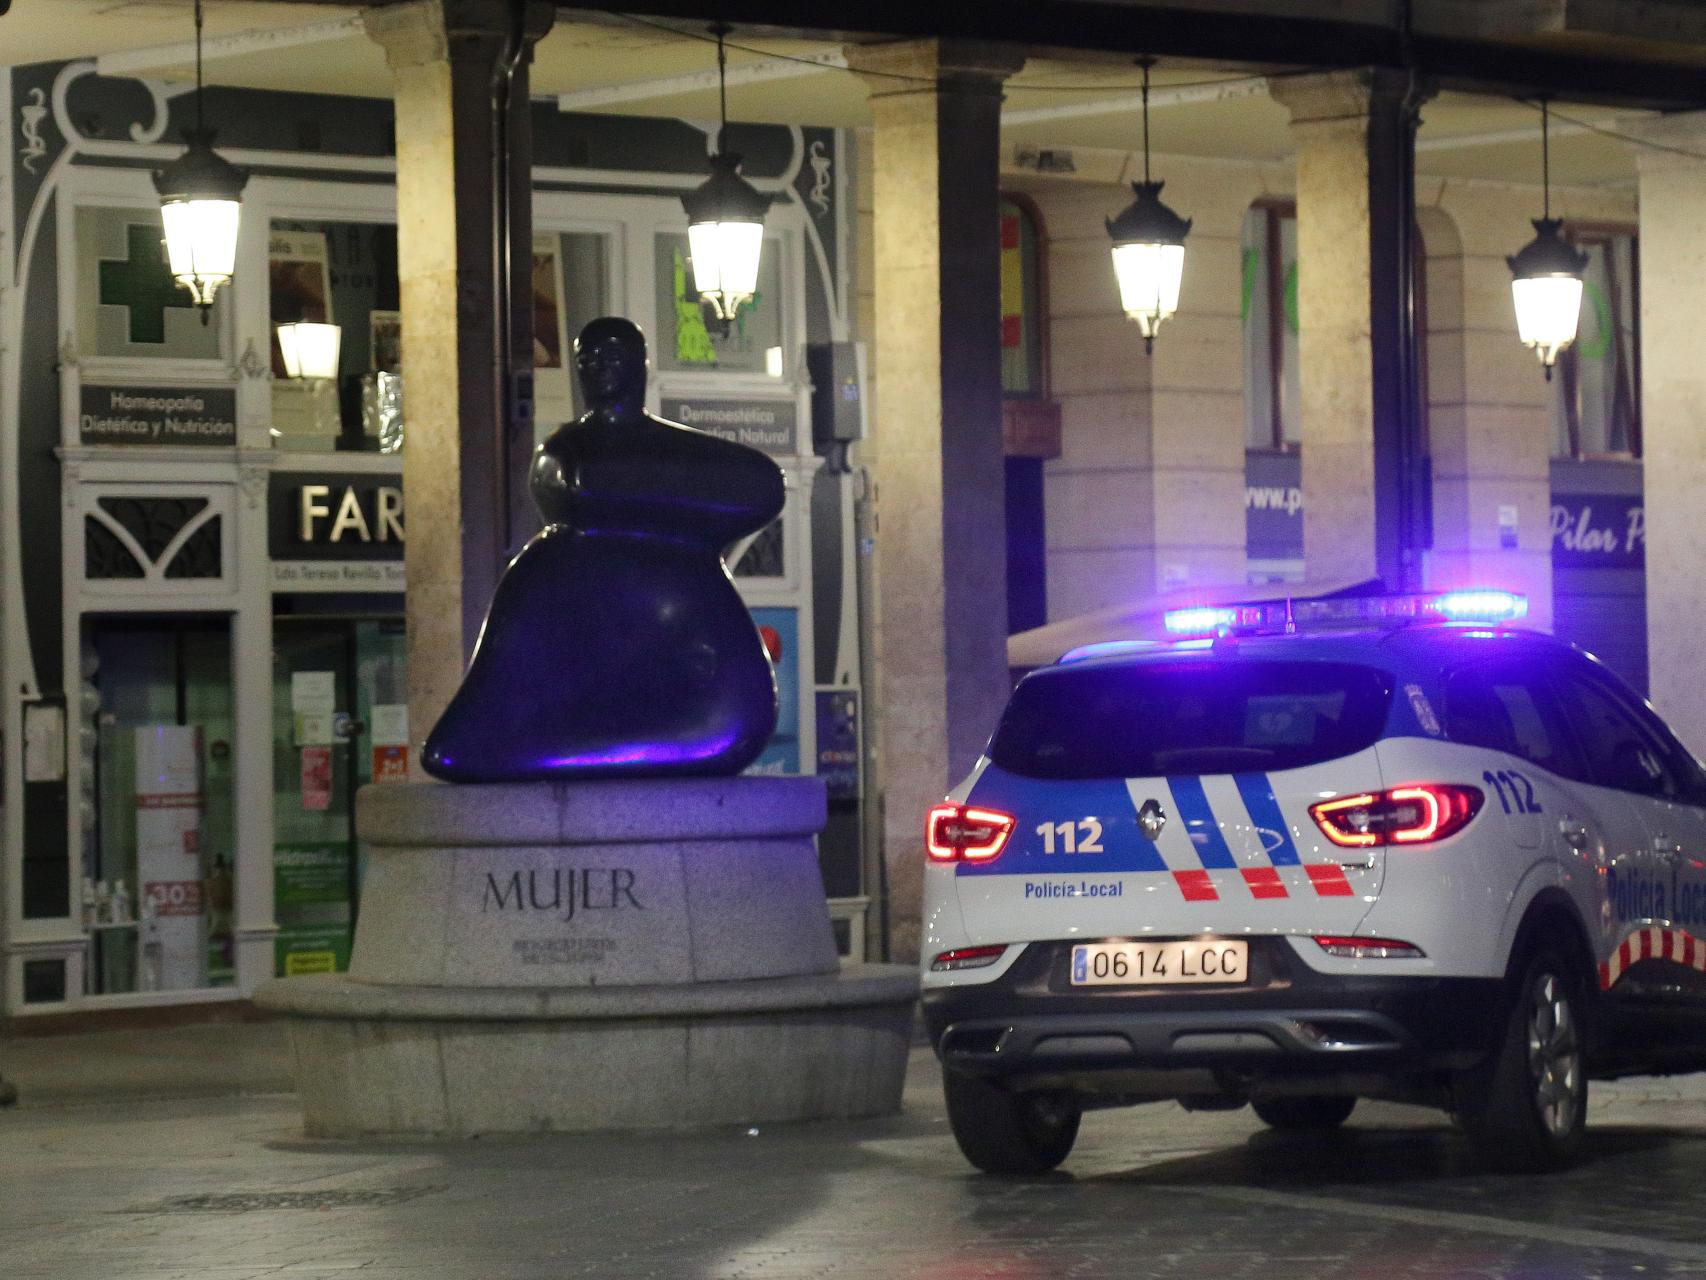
[[339, 693]]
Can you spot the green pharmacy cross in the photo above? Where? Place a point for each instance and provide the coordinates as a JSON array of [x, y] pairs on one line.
[[142, 283]]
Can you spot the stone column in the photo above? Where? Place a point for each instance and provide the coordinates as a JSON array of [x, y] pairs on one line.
[[941, 549], [1673, 411], [1355, 208], [468, 402], [1489, 422]]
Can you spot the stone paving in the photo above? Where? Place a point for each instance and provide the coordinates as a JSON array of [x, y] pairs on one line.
[[152, 1177]]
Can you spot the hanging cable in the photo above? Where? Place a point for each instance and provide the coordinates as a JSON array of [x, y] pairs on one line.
[[1545, 159], [1013, 86], [1146, 63], [1009, 87], [721, 30], [199, 122], [1543, 104]]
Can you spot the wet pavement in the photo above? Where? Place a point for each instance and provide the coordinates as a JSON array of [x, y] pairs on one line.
[[172, 1153]]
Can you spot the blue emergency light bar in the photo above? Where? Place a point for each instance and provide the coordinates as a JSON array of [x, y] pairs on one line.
[[1280, 616]]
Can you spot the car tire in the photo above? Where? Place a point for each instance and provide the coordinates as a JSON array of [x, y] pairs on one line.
[[1304, 1115], [1007, 1133], [1524, 1109]]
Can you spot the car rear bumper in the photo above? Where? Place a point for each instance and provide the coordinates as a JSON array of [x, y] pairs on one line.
[[1287, 1020]]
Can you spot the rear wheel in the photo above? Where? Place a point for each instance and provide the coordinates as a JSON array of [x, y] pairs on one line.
[[1525, 1108], [1010, 1133], [1304, 1114]]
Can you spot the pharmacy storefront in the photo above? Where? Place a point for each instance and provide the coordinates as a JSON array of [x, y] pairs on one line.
[[203, 610]]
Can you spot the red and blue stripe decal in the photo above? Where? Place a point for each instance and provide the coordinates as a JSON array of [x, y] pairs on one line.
[[1191, 803], [1258, 796], [1123, 845]]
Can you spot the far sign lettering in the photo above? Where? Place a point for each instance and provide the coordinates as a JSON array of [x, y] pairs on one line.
[[332, 516], [315, 502]]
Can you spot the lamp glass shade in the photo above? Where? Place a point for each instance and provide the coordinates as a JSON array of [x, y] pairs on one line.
[[310, 350], [201, 196], [201, 244], [1548, 309], [725, 262], [1149, 276]]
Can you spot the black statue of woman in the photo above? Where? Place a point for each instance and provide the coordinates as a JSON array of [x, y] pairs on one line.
[[616, 644]]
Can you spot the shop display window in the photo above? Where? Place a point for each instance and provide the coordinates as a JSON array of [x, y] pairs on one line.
[[159, 850], [1596, 390], [1022, 314], [343, 274], [1268, 305], [583, 270], [340, 721]]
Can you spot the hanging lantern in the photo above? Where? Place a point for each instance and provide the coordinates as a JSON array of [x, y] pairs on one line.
[[725, 237], [1546, 276], [310, 350], [1149, 246], [201, 195], [725, 224]]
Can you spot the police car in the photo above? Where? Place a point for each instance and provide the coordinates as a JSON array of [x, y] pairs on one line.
[[1346, 848]]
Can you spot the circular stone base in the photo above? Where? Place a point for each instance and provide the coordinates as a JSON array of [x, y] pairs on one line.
[[598, 955], [375, 1059]]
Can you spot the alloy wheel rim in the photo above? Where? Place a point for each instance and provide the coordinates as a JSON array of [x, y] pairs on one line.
[[1554, 1055]]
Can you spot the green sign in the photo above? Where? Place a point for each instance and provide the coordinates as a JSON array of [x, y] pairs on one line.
[[311, 901]]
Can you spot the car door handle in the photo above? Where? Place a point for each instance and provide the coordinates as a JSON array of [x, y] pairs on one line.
[[1575, 833]]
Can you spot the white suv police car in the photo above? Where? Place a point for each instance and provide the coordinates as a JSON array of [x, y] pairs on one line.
[[1457, 865]]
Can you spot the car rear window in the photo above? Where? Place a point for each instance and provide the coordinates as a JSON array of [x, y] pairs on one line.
[[1189, 717]]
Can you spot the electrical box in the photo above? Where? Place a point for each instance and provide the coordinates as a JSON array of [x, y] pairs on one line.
[[837, 372]]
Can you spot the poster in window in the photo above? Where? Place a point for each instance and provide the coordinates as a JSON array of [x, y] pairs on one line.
[[169, 805], [299, 281], [553, 401], [385, 341], [686, 344], [780, 631]]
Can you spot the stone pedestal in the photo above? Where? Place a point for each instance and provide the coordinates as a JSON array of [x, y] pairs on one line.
[[595, 955]]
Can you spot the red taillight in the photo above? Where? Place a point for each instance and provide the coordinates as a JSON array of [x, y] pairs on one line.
[[956, 831], [1367, 948], [967, 958], [1419, 813]]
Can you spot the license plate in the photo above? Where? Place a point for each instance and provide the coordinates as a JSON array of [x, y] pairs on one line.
[[1100, 964]]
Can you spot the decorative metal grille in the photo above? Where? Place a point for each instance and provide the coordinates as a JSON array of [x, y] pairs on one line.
[[153, 522], [763, 559], [200, 556], [104, 556]]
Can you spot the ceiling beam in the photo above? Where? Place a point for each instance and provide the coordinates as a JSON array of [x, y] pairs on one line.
[[1178, 96], [760, 71], [162, 57], [1558, 129], [1254, 32]]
